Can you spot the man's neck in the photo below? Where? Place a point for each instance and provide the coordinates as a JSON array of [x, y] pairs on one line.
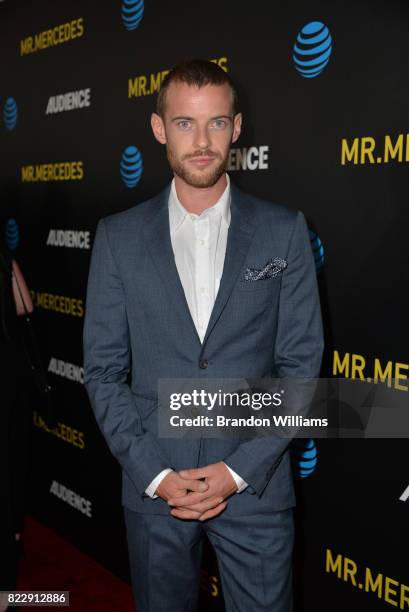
[[196, 199]]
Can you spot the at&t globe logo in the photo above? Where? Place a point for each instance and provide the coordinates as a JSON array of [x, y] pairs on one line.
[[312, 49], [317, 250], [10, 114], [12, 234], [304, 456], [132, 13], [131, 166]]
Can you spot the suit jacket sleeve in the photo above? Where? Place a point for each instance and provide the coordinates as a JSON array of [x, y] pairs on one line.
[[297, 352], [107, 359]]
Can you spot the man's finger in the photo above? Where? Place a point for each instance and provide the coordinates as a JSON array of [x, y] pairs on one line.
[[214, 512], [194, 473], [195, 485], [188, 500], [185, 514], [203, 506]]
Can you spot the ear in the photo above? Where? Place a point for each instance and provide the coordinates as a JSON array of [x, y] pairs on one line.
[[158, 128], [236, 127]]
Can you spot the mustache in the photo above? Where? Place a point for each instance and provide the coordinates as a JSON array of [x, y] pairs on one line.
[[207, 153]]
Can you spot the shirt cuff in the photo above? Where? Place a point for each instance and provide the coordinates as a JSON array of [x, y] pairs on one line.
[[241, 484], [150, 490]]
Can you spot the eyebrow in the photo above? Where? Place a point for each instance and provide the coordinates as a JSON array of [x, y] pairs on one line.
[[183, 118]]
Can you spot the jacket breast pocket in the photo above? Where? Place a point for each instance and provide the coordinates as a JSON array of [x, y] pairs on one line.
[[265, 284]]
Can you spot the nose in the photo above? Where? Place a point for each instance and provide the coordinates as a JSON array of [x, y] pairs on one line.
[[202, 139]]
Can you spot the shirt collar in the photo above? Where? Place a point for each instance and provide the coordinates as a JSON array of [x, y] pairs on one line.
[[177, 212]]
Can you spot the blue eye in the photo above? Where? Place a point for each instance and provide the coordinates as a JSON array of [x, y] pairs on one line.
[[220, 123], [184, 125]]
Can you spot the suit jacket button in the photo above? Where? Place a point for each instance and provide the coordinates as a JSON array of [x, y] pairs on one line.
[[203, 363]]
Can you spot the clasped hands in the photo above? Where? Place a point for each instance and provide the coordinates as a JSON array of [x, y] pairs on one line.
[[194, 499]]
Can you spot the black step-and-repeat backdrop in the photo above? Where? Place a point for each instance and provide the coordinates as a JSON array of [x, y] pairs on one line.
[[325, 97]]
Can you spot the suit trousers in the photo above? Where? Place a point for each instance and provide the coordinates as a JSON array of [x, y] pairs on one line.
[[254, 556]]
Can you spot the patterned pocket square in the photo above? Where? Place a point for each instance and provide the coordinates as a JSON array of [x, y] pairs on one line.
[[272, 268]]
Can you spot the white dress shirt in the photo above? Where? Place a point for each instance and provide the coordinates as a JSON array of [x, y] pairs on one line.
[[199, 245]]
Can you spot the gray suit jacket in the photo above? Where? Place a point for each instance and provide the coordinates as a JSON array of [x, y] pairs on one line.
[[138, 323]]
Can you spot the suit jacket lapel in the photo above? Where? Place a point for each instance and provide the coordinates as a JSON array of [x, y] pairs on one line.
[[239, 237]]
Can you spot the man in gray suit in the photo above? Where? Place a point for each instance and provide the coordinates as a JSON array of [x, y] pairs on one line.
[[168, 297]]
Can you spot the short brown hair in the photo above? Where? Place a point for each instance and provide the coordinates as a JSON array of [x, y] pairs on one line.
[[197, 72]]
